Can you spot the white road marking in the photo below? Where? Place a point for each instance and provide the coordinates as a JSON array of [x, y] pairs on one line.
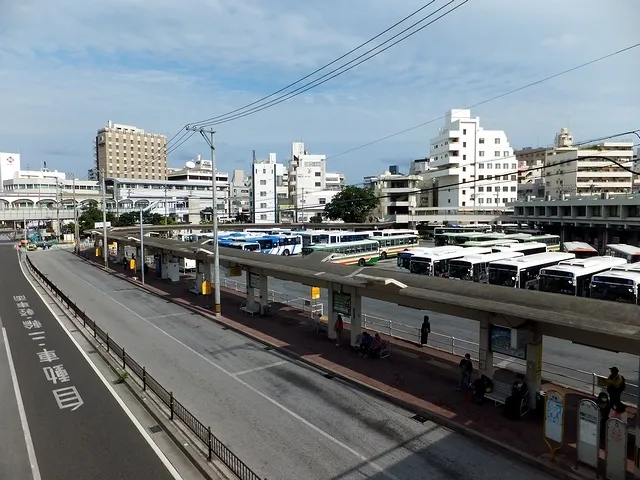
[[174, 473], [167, 316], [277, 404], [257, 369], [31, 452]]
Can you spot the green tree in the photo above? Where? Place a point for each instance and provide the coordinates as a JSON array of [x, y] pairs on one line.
[[316, 219], [90, 215], [129, 219], [352, 205]]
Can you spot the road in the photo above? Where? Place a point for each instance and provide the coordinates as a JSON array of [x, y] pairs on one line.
[[77, 427], [286, 420], [561, 358]]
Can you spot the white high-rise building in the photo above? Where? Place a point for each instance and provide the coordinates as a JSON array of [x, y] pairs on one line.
[[471, 167], [311, 187], [9, 167], [268, 188]]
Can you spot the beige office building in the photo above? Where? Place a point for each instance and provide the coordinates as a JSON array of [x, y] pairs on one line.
[[123, 151]]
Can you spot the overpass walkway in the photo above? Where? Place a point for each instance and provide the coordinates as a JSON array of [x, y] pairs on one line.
[[421, 380]]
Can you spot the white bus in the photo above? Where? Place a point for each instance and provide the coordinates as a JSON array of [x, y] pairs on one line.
[[580, 249], [316, 237], [523, 272], [390, 232], [630, 253], [573, 277], [404, 258], [488, 243], [475, 268], [532, 248], [244, 245], [391, 246], [436, 263], [616, 286], [363, 252], [628, 267]]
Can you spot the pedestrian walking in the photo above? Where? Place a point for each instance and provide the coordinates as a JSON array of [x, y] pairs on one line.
[[466, 368], [338, 328], [425, 330]]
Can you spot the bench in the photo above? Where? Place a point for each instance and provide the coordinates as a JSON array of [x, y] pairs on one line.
[[385, 351], [500, 393], [322, 326]]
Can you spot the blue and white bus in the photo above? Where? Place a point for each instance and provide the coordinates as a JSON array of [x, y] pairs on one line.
[[276, 244], [248, 246]]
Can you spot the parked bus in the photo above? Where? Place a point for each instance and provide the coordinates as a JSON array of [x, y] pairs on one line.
[[404, 258], [552, 241], [616, 286], [277, 244], [390, 232], [441, 234], [392, 245], [525, 248], [628, 267], [573, 277], [436, 263], [523, 272], [248, 246], [630, 253], [475, 268], [488, 243], [319, 236], [361, 252], [580, 249]]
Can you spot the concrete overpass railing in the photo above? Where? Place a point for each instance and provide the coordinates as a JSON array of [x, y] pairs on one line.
[[20, 214]]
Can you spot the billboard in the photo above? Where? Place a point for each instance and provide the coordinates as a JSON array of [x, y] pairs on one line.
[[9, 166]]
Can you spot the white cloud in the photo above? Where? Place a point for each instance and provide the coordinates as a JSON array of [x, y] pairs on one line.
[[67, 67]]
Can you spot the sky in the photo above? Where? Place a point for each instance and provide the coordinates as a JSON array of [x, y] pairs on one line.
[[70, 66]]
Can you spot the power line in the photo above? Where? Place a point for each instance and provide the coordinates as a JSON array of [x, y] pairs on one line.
[[497, 97], [332, 74], [244, 107]]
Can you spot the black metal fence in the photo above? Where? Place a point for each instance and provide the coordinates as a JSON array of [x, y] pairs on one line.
[[176, 410]]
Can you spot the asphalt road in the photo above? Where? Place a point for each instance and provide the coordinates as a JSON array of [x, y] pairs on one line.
[[285, 420], [81, 433], [562, 358]]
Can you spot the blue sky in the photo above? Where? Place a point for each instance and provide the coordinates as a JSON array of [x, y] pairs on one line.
[[67, 67]]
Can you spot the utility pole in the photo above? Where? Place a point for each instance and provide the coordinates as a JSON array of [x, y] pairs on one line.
[[166, 211], [105, 253], [214, 213], [58, 200], [76, 228]]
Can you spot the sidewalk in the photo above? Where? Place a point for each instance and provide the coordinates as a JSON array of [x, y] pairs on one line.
[[422, 380]]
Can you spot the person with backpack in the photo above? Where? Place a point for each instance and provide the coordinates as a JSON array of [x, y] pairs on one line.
[[615, 384]]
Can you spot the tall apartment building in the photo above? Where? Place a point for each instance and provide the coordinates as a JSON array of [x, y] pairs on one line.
[[269, 187], [124, 151], [530, 171], [311, 187], [570, 170], [240, 194], [399, 194], [470, 166]]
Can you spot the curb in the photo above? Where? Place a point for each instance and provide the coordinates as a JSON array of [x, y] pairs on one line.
[[538, 463]]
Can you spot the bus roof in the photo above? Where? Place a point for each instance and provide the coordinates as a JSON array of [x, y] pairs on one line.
[[628, 267], [535, 259], [628, 275], [578, 247], [517, 247], [451, 253], [489, 257], [585, 266], [488, 243], [624, 248], [239, 244]]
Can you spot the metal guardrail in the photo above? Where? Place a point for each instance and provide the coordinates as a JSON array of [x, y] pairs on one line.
[[176, 410], [588, 382]]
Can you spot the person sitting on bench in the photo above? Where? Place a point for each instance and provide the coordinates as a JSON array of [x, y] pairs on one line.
[[365, 343], [376, 346], [481, 386], [513, 401]]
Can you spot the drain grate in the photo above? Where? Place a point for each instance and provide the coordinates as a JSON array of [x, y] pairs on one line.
[[328, 375], [155, 429], [419, 418]]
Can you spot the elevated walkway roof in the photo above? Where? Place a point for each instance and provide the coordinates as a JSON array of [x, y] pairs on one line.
[[609, 325]]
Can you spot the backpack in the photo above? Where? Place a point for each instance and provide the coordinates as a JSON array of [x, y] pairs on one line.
[[623, 384]]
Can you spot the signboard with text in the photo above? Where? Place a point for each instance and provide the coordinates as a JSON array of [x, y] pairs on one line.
[[501, 342], [342, 303], [616, 450], [588, 432], [554, 419]]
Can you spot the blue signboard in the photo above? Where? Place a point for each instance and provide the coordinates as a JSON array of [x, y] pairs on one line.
[[500, 342]]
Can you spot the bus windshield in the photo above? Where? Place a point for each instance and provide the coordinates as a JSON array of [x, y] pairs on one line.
[[503, 276], [421, 266], [460, 269], [608, 290], [557, 284]]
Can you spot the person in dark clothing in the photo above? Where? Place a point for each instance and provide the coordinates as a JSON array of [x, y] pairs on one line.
[[365, 344], [481, 386], [466, 369], [513, 401], [425, 330], [615, 386]]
